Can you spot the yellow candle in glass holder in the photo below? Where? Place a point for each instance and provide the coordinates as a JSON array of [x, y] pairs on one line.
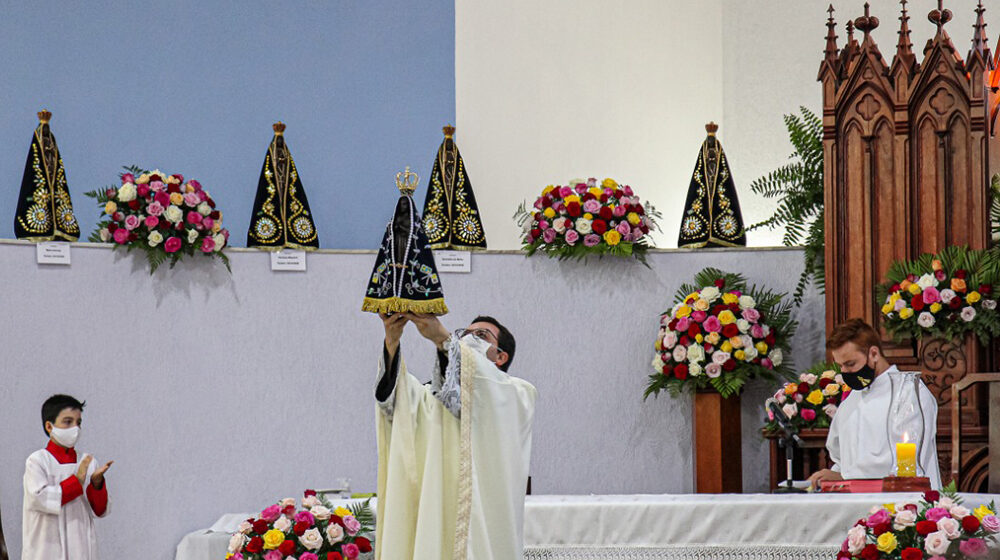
[[906, 459]]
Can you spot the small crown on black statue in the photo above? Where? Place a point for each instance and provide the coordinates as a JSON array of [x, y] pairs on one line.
[[407, 181], [449, 131], [279, 128], [711, 128], [44, 116]]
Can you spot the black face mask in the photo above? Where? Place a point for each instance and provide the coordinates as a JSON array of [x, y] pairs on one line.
[[860, 379]]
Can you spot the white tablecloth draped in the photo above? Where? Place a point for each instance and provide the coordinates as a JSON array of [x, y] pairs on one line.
[[661, 527]]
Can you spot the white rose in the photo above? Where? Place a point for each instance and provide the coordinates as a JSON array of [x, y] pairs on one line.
[[947, 295], [958, 512], [334, 533], [246, 527], [559, 224], [946, 503], [950, 527], [696, 353], [204, 209], [236, 542], [780, 397], [283, 524], [320, 512], [711, 293], [669, 340], [856, 540], [830, 410], [311, 539], [583, 226], [777, 357], [105, 235], [925, 320], [713, 370], [127, 192], [743, 325], [750, 352], [192, 235], [680, 353], [926, 281], [173, 214], [808, 378], [829, 374], [968, 314], [989, 304], [658, 363], [936, 543], [287, 501], [220, 241], [790, 410], [155, 238], [310, 502], [838, 379], [797, 397], [720, 357], [694, 370], [747, 341], [747, 302], [905, 518]]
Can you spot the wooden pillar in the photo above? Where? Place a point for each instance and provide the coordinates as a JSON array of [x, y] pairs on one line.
[[718, 450]]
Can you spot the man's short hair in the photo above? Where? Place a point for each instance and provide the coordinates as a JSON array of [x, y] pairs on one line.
[[56, 404], [854, 330], [505, 341]]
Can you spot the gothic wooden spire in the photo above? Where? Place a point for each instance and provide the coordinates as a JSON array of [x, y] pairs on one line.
[[831, 38], [904, 47], [980, 42]]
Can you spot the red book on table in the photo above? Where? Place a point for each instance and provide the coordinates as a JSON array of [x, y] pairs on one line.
[[857, 485]]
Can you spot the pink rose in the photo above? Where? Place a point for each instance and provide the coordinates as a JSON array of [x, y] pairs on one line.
[[302, 516], [808, 414], [591, 239], [751, 315], [351, 550], [608, 191], [191, 199], [155, 209], [118, 216], [172, 245], [121, 236], [618, 212], [193, 218], [308, 556], [549, 235], [543, 224], [571, 236], [767, 363], [143, 190], [111, 193], [593, 206], [580, 189], [152, 221], [132, 222], [683, 324], [538, 204], [351, 524], [273, 555], [565, 191], [157, 186], [194, 183], [623, 227], [713, 370], [207, 222], [162, 198], [757, 331], [830, 410], [637, 234], [698, 316], [627, 190], [990, 524], [936, 514], [558, 206], [973, 548], [128, 178], [931, 295], [712, 324], [270, 513]]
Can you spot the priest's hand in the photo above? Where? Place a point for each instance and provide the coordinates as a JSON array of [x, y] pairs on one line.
[[825, 474], [97, 479], [430, 327], [81, 471], [394, 324]]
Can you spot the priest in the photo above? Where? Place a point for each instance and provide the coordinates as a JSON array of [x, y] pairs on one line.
[[857, 441], [454, 454]]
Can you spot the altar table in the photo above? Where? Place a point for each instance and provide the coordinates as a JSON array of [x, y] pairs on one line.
[[662, 527]]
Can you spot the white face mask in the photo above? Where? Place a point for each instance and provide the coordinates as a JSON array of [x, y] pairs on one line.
[[66, 437], [481, 346]]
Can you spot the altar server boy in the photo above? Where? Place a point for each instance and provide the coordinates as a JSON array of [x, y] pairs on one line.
[[63, 493]]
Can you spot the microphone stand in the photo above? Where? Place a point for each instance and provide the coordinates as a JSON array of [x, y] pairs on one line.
[[789, 442]]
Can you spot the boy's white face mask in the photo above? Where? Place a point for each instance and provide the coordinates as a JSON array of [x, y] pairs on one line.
[[66, 437]]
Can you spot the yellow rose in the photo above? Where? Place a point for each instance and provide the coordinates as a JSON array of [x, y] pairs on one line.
[[701, 304], [973, 297], [342, 512], [699, 339], [188, 188], [936, 265], [894, 297], [727, 317], [659, 345], [828, 374], [736, 341], [273, 539], [217, 227], [761, 347], [887, 542], [914, 289], [815, 397], [633, 218], [981, 512], [596, 192], [571, 198], [726, 346], [740, 355], [790, 388], [713, 338], [609, 184], [887, 309], [144, 178], [683, 311], [730, 298], [831, 389], [906, 313], [548, 213], [110, 208], [588, 216], [547, 189], [612, 237], [176, 198], [935, 307]]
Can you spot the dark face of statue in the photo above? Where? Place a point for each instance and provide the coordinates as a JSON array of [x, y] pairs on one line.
[[49, 152], [401, 229]]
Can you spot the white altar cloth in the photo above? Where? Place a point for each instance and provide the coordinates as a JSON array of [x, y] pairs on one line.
[[661, 527]]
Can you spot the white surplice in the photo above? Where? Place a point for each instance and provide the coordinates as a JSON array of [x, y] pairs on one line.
[[50, 529], [452, 475], [858, 441]]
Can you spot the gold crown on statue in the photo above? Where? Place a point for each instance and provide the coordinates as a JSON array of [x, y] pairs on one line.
[[407, 181], [449, 131], [279, 128], [44, 116], [712, 128]]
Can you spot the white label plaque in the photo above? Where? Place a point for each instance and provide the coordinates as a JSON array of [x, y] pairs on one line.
[[51, 252], [453, 261], [288, 259]]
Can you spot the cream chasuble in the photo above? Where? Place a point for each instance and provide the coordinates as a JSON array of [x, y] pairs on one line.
[[451, 479]]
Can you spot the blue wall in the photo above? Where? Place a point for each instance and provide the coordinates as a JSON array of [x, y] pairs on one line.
[[193, 87]]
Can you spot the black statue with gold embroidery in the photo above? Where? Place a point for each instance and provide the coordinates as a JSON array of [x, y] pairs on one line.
[[405, 278], [281, 218], [44, 208], [451, 216], [712, 215]]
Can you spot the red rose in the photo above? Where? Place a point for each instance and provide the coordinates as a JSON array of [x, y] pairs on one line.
[[970, 523], [288, 510], [112, 228], [870, 552], [215, 215], [336, 519], [172, 188], [599, 227], [589, 196], [308, 493], [211, 203], [894, 288], [824, 382], [604, 199], [255, 545], [880, 528], [287, 547], [685, 341], [694, 330], [546, 202], [672, 324], [719, 308], [804, 388], [300, 528], [911, 277], [681, 371], [605, 213], [134, 204], [720, 283], [769, 339], [640, 211], [912, 553], [985, 289], [960, 274], [955, 303], [843, 555], [364, 545], [644, 228], [618, 193], [259, 526], [334, 556], [573, 209], [536, 233], [667, 370], [730, 330], [831, 400], [918, 303], [932, 496], [729, 365], [925, 528]]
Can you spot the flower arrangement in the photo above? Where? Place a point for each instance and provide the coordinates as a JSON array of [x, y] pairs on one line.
[[162, 215], [942, 296], [318, 531], [810, 402], [721, 334], [584, 218], [935, 528]]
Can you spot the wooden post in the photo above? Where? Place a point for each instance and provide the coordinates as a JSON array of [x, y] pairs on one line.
[[718, 447]]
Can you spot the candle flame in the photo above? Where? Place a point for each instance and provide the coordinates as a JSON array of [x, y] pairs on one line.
[[906, 437]]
